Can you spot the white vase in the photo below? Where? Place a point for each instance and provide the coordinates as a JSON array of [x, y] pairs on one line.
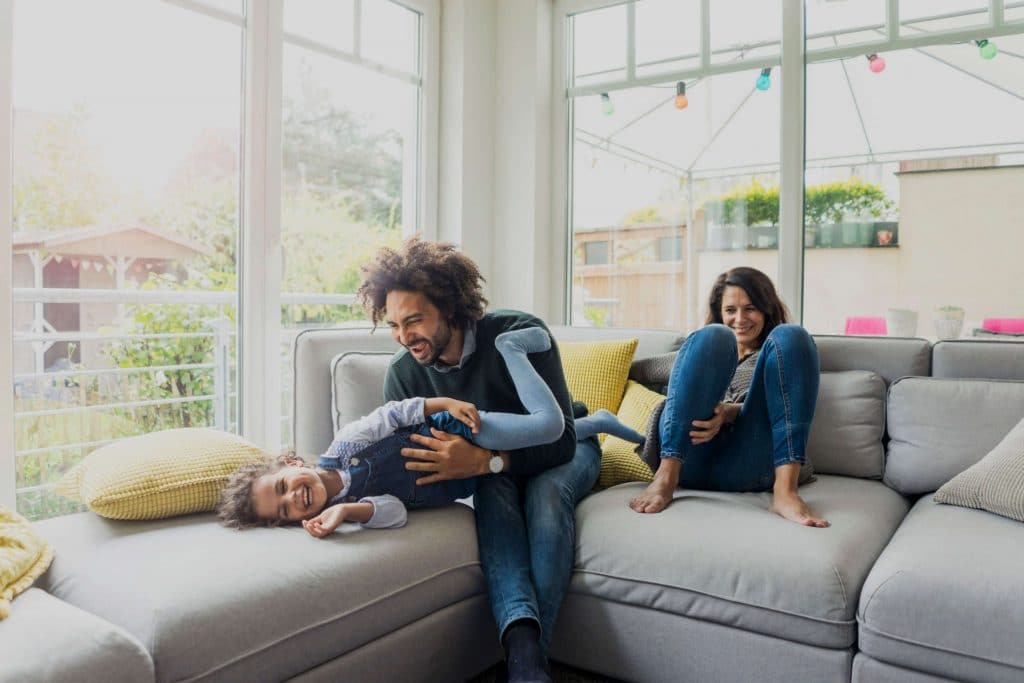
[[949, 322], [901, 322]]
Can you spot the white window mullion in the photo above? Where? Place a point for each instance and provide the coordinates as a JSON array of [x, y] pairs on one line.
[[260, 252], [995, 12], [7, 496], [630, 41], [705, 34], [892, 19], [426, 175], [791, 174]]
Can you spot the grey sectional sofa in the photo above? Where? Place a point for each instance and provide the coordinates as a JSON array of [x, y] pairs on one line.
[[713, 589]]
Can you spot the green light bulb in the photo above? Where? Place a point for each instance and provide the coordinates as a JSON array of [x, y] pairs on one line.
[[987, 49], [607, 106]]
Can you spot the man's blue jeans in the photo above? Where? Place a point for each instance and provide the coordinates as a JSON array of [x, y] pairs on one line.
[[773, 423], [527, 538]]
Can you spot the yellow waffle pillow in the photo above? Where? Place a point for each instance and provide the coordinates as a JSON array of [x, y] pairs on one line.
[[596, 372], [157, 475], [24, 556], [619, 461]]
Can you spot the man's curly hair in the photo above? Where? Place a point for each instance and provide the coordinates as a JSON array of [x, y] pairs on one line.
[[449, 279], [236, 508]]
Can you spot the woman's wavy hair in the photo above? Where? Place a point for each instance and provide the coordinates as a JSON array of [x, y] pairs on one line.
[[449, 279], [762, 294]]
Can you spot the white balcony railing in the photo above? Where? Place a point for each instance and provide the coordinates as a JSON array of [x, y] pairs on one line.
[[59, 421]]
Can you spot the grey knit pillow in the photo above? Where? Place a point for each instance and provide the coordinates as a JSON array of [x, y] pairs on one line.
[[995, 483]]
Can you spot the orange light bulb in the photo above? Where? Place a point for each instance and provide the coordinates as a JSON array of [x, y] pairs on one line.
[[682, 102]]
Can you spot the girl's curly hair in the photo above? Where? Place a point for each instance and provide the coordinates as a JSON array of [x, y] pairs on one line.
[[236, 508], [449, 279]]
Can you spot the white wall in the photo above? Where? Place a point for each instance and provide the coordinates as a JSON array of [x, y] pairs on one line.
[[467, 128], [495, 152]]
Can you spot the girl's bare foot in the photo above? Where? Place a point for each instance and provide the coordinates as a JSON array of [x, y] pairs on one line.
[[658, 493], [789, 505]]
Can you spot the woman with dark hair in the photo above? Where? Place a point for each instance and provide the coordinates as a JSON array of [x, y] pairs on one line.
[[740, 402]]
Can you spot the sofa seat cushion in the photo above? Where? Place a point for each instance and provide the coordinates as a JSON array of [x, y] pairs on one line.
[[945, 596], [725, 558], [211, 603], [46, 640]]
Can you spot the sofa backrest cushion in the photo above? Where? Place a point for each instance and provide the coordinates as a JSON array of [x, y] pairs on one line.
[[890, 357], [313, 354], [339, 374], [978, 359], [938, 427], [649, 342], [849, 421], [358, 385]]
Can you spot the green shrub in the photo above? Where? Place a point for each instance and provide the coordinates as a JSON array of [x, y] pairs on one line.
[[756, 204]]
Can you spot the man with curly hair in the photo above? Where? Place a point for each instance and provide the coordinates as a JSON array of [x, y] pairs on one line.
[[430, 295]]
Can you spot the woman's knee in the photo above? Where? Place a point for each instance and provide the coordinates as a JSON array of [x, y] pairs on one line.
[[795, 343], [712, 342], [792, 335]]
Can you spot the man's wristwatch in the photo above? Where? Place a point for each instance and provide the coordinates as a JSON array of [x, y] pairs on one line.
[[495, 464]]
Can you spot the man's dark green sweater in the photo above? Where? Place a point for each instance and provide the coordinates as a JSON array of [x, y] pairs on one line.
[[484, 381]]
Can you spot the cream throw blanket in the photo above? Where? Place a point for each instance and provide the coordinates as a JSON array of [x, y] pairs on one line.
[[24, 556]]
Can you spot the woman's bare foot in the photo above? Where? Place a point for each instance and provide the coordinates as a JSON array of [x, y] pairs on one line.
[[658, 493], [789, 505]]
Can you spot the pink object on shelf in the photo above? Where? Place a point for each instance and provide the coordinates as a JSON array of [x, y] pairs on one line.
[[1004, 325], [866, 325]]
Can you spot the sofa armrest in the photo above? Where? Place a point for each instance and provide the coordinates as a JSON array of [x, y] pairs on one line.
[[46, 640]]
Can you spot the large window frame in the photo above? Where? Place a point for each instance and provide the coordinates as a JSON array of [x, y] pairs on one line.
[[260, 274], [791, 61]]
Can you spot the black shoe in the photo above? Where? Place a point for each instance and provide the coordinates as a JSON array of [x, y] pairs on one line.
[[579, 409]]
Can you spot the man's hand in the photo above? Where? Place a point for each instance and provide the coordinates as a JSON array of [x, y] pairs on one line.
[[449, 457]]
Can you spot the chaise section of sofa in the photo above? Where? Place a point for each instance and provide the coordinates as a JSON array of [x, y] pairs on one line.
[[212, 604], [944, 599]]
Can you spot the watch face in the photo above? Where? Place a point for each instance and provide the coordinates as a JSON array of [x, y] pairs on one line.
[[496, 464]]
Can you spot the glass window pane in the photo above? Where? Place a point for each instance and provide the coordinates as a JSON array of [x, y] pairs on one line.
[[599, 45], [667, 36], [913, 205], [126, 177], [745, 30], [646, 173], [390, 35], [350, 159], [330, 22], [236, 7], [930, 16], [831, 24]]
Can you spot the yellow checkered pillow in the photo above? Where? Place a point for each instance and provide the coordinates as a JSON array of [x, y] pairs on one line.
[[619, 461], [596, 372], [24, 555], [157, 475]]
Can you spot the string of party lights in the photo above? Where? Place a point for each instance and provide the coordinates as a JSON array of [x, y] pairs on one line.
[[876, 63]]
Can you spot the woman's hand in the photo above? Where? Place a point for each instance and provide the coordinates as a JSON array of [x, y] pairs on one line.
[[725, 413], [708, 429]]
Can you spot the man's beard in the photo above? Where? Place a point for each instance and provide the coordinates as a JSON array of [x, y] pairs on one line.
[[438, 343]]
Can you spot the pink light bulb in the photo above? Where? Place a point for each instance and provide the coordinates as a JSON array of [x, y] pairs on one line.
[[876, 64]]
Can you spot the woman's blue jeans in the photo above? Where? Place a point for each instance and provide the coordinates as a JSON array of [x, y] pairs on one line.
[[774, 420]]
